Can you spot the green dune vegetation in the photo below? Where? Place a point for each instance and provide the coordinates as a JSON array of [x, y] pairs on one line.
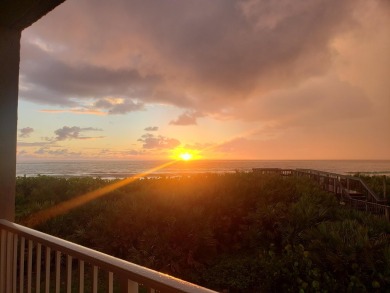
[[241, 232], [379, 184]]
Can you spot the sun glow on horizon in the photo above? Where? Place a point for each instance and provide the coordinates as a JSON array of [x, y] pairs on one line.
[[177, 154], [186, 156]]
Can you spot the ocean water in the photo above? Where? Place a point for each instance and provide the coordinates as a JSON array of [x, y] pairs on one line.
[[122, 169]]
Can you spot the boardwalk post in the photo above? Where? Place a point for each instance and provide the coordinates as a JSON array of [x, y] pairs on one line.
[[347, 189], [387, 213]]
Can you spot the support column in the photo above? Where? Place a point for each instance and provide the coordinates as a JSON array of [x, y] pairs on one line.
[[9, 80]]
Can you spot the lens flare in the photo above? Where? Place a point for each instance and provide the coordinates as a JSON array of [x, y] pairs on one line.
[[65, 206]]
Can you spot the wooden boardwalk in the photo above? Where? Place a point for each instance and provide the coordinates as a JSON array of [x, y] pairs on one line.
[[352, 191]]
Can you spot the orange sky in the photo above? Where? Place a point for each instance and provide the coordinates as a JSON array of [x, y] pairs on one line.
[[244, 79]]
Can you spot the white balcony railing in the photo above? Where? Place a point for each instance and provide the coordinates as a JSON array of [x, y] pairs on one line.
[[31, 261]]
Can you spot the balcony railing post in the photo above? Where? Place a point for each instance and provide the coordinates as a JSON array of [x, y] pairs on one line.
[[3, 243], [81, 276], [57, 271], [15, 262], [38, 267], [128, 286], [68, 274], [47, 269], [387, 213], [9, 267]]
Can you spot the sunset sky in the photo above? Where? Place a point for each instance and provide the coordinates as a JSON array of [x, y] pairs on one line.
[[223, 79]]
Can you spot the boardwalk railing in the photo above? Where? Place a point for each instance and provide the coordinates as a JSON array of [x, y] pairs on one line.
[[31, 261], [352, 191], [352, 186]]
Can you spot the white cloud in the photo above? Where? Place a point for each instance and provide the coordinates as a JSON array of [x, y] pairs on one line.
[[151, 141], [25, 132], [151, 128], [67, 132], [187, 118]]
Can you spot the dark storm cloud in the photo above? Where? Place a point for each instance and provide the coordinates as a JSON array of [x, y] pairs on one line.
[[53, 81], [290, 63], [225, 48], [313, 101]]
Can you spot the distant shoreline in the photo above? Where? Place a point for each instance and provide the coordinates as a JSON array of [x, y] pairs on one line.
[[123, 169]]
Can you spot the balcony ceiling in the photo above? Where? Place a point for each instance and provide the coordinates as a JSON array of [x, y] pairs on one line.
[[19, 14]]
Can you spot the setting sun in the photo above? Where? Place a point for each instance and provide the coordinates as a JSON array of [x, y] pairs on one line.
[[185, 156]]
